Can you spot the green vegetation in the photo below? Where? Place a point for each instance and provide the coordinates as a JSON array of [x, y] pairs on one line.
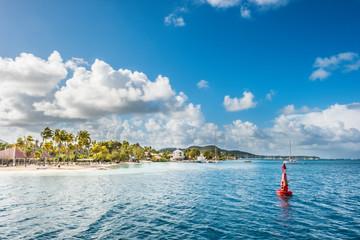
[[63, 147]]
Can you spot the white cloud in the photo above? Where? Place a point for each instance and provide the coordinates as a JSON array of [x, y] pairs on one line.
[[202, 84], [269, 2], [223, 3], [290, 109], [247, 8], [333, 132], [238, 104], [103, 90], [336, 60], [126, 105], [352, 67], [75, 62], [245, 12], [270, 95], [320, 74], [30, 75], [173, 19], [25, 79], [348, 61]]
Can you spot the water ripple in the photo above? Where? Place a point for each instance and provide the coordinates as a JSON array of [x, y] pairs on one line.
[[231, 200]]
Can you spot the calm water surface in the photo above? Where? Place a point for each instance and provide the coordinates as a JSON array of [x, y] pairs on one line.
[[228, 200]]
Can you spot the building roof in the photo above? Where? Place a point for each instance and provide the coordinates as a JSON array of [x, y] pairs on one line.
[[12, 153]]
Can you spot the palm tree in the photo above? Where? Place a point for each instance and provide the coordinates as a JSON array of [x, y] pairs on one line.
[[57, 139], [20, 144], [45, 135], [63, 138], [71, 148], [69, 140], [83, 139], [48, 146], [28, 146]]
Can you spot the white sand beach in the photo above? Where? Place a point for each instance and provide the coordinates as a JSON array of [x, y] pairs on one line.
[[55, 169]]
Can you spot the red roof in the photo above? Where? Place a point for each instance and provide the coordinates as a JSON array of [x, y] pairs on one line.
[[12, 153]]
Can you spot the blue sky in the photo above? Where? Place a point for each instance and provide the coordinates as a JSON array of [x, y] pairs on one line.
[[297, 62]]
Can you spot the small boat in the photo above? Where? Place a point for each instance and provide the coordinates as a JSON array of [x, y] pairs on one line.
[[41, 167], [201, 159], [291, 160], [248, 161]]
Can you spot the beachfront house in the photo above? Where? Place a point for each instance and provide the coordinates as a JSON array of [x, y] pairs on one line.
[[178, 155], [14, 156]]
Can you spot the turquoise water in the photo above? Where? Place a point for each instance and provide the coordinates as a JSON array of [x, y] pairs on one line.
[[228, 200]]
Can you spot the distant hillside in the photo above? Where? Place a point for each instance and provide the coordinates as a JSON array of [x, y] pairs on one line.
[[211, 148], [237, 153]]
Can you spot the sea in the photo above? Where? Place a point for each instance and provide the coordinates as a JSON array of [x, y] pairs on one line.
[[227, 200]]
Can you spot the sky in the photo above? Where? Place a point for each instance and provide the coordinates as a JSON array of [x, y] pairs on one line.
[[256, 74]]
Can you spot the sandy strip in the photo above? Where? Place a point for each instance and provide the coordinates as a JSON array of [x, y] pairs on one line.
[[54, 169]]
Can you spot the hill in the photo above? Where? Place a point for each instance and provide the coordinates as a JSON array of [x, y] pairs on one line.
[[220, 151], [237, 153]]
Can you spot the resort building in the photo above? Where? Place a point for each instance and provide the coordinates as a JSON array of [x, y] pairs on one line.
[[13, 156], [178, 155]]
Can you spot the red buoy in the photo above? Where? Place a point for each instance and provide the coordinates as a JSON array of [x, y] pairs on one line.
[[284, 184]]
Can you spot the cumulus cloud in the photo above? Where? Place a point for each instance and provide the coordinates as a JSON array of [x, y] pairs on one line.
[[239, 104], [202, 84], [75, 62], [103, 90], [95, 96], [26, 79], [333, 132], [335, 128], [346, 62], [126, 105], [30, 75]]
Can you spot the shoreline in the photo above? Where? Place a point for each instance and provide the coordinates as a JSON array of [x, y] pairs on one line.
[[62, 169]]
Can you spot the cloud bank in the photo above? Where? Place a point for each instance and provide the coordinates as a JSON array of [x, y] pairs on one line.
[[121, 104]]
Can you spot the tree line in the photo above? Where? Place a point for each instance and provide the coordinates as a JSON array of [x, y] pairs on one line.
[[65, 147]]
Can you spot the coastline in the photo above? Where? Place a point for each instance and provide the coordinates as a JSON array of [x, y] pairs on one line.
[[62, 169]]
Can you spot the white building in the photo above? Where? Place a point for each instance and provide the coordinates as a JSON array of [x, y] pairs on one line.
[[178, 155]]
